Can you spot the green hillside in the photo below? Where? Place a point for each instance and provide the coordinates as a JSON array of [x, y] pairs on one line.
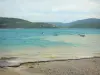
[[86, 23], [19, 23]]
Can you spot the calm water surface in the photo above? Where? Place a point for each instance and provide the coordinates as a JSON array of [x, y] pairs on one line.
[[50, 40]]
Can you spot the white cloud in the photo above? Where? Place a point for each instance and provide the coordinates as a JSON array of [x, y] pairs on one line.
[[50, 10]]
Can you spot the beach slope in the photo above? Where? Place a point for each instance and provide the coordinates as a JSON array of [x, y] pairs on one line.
[[84, 66]]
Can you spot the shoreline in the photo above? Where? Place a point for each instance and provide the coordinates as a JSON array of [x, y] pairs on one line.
[[4, 59]]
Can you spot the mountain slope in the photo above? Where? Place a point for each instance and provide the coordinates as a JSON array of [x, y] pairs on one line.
[[86, 23], [19, 23]]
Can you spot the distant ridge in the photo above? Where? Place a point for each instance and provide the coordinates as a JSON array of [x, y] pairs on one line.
[[85, 23], [20, 23]]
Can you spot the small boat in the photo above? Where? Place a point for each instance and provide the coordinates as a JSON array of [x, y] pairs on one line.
[[82, 35]]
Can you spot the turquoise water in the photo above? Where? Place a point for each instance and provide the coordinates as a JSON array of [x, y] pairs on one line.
[[34, 37], [48, 44]]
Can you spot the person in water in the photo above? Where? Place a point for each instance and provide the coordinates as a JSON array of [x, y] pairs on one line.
[[55, 34], [42, 33]]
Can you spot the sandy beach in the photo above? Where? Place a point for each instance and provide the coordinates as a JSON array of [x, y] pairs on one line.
[[84, 66]]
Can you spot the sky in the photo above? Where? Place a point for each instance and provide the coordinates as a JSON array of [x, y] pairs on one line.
[[50, 10]]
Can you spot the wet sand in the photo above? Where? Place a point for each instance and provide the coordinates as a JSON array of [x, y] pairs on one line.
[[84, 66]]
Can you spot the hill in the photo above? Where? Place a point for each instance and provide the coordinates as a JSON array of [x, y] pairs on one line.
[[19, 23], [86, 23]]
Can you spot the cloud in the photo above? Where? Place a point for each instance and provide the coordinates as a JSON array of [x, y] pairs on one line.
[[50, 10]]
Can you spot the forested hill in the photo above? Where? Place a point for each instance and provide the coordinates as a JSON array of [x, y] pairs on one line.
[[19, 23], [86, 23]]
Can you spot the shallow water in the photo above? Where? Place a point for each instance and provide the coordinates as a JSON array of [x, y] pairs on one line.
[[45, 44]]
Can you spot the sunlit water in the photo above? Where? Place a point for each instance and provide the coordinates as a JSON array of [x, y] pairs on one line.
[[47, 44]]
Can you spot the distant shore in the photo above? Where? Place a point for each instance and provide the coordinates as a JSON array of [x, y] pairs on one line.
[[83, 66]]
